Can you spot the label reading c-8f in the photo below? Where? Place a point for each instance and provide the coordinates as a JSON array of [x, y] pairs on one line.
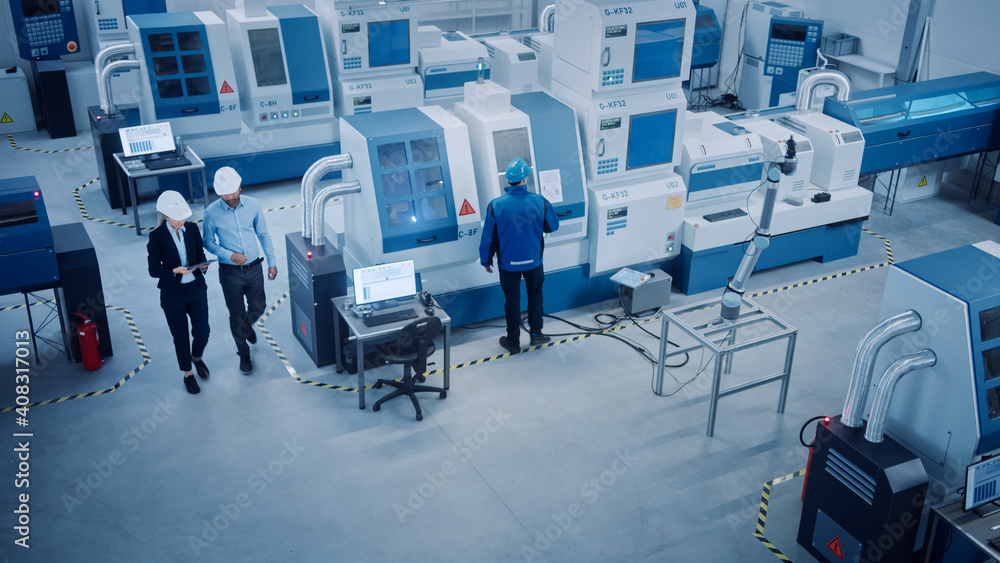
[[611, 123], [616, 31]]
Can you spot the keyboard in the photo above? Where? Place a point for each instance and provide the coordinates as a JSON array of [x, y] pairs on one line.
[[995, 542], [723, 215], [390, 317], [161, 163]]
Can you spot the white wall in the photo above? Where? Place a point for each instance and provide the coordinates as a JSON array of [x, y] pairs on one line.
[[963, 38]]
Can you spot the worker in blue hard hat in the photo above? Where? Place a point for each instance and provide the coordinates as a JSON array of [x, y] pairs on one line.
[[515, 223]]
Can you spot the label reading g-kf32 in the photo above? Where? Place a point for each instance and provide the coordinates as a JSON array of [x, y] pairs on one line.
[[613, 104], [611, 196], [622, 11]]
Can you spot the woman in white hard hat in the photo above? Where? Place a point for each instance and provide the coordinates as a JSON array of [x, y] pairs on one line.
[[177, 259]]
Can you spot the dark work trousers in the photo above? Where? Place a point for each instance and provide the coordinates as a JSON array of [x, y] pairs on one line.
[[238, 284], [191, 300], [510, 282]]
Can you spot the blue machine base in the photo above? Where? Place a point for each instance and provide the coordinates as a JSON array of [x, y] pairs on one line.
[[270, 166], [563, 290], [695, 272]]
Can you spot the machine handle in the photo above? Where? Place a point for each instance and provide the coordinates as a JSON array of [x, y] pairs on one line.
[[189, 110], [426, 240], [97, 7], [567, 214], [901, 134], [606, 56], [343, 46], [310, 98], [600, 147]]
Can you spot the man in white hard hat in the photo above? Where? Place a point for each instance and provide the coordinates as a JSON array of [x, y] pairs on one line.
[[233, 224]]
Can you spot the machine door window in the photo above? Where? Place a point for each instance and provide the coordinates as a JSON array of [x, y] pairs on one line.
[[161, 43], [163, 66], [396, 184], [198, 86], [651, 139], [180, 71], [392, 155], [509, 144], [433, 208], [991, 363], [400, 213], [989, 324], [189, 40], [169, 89], [388, 43], [193, 63], [413, 196], [993, 402], [265, 50], [429, 179], [424, 150], [658, 50]]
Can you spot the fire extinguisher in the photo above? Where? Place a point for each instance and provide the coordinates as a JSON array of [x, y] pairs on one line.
[[87, 332]]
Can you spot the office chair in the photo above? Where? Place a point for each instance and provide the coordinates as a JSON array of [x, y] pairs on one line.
[[414, 344]]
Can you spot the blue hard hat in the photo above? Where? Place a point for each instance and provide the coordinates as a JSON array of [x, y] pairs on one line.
[[517, 171]]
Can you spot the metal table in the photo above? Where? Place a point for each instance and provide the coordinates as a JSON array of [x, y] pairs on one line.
[[196, 165], [380, 333]]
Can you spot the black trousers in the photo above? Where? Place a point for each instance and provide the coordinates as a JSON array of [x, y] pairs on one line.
[[510, 282], [190, 301], [243, 289]]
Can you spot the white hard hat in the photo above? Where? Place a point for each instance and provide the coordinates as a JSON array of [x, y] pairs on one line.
[[227, 181], [172, 204]]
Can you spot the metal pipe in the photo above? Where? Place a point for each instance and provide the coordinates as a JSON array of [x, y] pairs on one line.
[[807, 87], [864, 362], [319, 206], [102, 58], [543, 20], [313, 175], [108, 104], [875, 432]]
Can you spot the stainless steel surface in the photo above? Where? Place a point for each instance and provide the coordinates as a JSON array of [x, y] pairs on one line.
[[313, 175], [875, 432], [319, 206], [807, 87]]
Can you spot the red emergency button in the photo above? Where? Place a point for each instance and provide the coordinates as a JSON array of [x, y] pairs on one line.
[[71, 46]]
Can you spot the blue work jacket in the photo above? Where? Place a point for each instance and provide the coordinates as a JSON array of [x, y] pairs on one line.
[[513, 230]]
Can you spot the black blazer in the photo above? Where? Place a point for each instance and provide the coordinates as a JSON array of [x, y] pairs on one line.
[[163, 256]]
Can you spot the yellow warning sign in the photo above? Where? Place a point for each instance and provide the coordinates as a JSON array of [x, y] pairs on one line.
[[6, 118], [923, 182]]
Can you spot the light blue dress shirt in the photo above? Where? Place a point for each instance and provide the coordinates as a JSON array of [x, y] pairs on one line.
[[231, 231], [178, 238]]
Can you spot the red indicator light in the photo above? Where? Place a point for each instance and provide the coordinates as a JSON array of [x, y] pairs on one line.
[[37, 193], [309, 255], [826, 419]]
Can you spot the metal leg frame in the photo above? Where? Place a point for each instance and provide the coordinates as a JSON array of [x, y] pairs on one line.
[[707, 336], [890, 189], [53, 309], [982, 164]]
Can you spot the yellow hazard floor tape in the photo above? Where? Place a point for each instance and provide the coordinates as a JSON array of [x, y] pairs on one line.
[[765, 498], [142, 351], [13, 145]]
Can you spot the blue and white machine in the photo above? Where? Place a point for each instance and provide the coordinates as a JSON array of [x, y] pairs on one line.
[[773, 138], [448, 65], [707, 38], [606, 46], [721, 162], [839, 146], [44, 30], [372, 50], [417, 178], [513, 64], [779, 43], [186, 63], [283, 78]]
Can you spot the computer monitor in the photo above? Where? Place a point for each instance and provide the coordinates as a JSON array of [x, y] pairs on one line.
[[384, 282], [147, 139], [982, 484]]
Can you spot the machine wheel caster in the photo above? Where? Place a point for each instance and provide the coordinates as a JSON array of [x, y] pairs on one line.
[[377, 408], [378, 384], [444, 394], [420, 416]]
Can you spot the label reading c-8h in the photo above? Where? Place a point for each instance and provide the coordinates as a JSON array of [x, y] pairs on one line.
[[616, 31]]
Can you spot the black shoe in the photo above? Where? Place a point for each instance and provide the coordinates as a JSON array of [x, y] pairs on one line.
[[539, 339], [201, 368], [506, 345], [192, 384], [251, 335], [246, 365]]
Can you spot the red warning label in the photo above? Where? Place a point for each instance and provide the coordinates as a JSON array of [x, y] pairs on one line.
[[834, 546], [466, 209], [303, 329], [226, 88]]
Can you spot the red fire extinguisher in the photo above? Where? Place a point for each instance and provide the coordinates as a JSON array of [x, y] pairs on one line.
[[87, 332]]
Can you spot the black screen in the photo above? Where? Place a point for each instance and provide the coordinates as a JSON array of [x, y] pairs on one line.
[[33, 8], [15, 213], [788, 31]]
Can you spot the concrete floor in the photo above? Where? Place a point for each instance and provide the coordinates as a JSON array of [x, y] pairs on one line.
[[560, 454]]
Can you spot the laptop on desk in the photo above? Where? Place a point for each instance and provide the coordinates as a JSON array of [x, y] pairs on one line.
[[153, 144], [385, 286]]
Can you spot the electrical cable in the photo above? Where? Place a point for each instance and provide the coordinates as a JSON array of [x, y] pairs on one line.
[[803, 429]]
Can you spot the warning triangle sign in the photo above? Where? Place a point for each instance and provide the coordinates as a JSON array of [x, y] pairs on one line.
[[6, 118], [226, 88], [303, 329], [466, 209], [923, 182], [834, 546]]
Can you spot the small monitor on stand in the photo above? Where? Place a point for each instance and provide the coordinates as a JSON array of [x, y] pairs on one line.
[[151, 141], [982, 486], [385, 285]]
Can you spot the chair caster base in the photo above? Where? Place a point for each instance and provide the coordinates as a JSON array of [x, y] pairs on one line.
[[377, 408], [444, 394]]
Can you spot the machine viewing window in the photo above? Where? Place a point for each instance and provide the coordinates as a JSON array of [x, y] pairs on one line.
[[163, 66], [852, 137], [509, 144], [189, 41], [161, 43], [400, 213], [658, 50], [993, 402], [429, 179], [433, 208], [788, 31], [989, 324], [396, 184], [704, 20], [991, 363], [193, 63], [33, 8], [197, 86], [14, 213], [265, 50], [388, 43], [391, 155], [424, 150], [169, 88], [650, 139]]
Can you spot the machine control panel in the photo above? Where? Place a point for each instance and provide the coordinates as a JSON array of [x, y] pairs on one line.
[[792, 46], [45, 30]]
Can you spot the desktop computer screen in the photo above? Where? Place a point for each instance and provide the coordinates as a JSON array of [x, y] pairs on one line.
[[384, 282], [981, 483], [147, 139]]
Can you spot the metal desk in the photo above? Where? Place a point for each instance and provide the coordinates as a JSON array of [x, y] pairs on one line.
[[196, 165], [364, 334], [974, 527]]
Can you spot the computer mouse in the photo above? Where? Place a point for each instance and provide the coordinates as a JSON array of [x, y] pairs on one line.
[[429, 311]]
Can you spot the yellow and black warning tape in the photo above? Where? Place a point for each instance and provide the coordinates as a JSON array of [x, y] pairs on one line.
[[292, 206], [13, 145], [142, 351], [765, 498], [888, 246], [21, 306]]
